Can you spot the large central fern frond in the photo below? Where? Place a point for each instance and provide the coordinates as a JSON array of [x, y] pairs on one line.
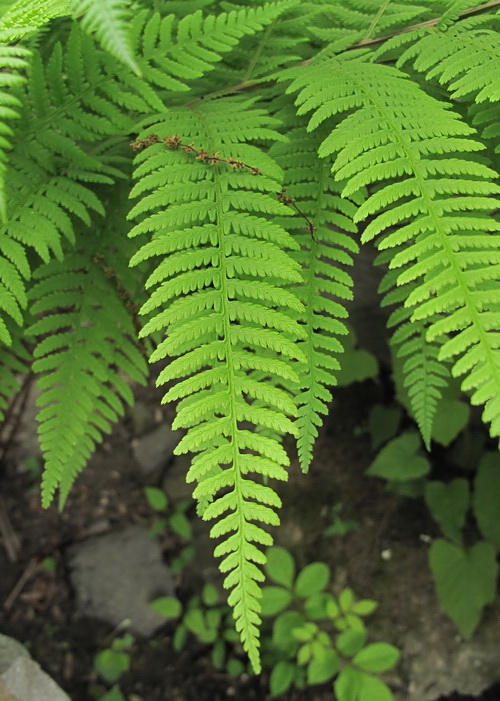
[[217, 297]]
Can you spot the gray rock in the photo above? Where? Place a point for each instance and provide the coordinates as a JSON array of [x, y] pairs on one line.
[[154, 450], [21, 678], [115, 577]]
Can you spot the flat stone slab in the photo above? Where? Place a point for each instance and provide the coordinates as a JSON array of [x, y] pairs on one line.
[[21, 678], [115, 576]]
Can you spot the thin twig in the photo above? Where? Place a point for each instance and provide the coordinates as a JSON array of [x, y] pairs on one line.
[[10, 540], [22, 398], [29, 571]]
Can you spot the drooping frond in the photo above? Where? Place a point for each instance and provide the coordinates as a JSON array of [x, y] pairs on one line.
[[14, 364], [425, 376], [343, 23], [218, 295], [51, 171], [435, 195], [465, 58], [283, 42], [24, 17], [323, 254], [174, 52], [84, 355], [13, 62], [109, 21]]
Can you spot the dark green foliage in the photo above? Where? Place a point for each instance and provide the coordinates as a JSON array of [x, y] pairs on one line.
[[250, 200]]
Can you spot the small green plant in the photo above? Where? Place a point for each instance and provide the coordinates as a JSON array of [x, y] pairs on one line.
[[339, 525], [210, 620], [317, 637], [310, 635], [112, 663], [171, 516]]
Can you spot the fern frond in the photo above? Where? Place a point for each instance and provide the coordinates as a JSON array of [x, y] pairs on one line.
[[174, 52], [222, 320], [25, 17], [84, 351], [425, 376], [108, 20], [52, 171], [465, 59], [449, 240], [14, 364], [13, 62], [323, 256]]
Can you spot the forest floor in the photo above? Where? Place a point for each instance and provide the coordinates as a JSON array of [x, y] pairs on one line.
[[38, 604]]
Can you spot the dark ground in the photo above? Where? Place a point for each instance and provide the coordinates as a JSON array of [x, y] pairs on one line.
[[39, 607]]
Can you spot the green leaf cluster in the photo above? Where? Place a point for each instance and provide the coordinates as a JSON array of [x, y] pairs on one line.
[[269, 141]]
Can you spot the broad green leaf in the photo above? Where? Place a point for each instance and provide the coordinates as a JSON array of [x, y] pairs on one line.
[[194, 621], [280, 566], [113, 694], [181, 525], [235, 667], [465, 581], [364, 607], [346, 599], [448, 503], [321, 670], [111, 664], [316, 605], [210, 594], [305, 632], [451, 417], [304, 654], [274, 600], [487, 498], [157, 499], [377, 657], [383, 423], [218, 654], [312, 579], [348, 684], [373, 689], [281, 677], [350, 641], [167, 606], [398, 460], [357, 366], [282, 630]]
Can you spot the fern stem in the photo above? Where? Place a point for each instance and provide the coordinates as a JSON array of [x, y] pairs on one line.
[[258, 53], [383, 7]]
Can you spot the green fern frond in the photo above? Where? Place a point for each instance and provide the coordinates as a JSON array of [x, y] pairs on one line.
[[425, 376], [13, 62], [438, 198], [25, 17], [361, 20], [84, 351], [323, 255], [14, 364], [173, 52], [218, 298], [465, 59], [52, 171], [108, 20]]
